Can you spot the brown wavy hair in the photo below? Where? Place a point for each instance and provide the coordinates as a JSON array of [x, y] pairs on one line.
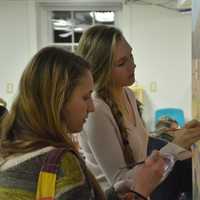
[[97, 46], [35, 120]]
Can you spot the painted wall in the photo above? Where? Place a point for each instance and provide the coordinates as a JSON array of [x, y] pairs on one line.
[[161, 40], [18, 43]]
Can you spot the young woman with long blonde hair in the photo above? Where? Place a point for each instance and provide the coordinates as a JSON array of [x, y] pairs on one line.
[[114, 136]]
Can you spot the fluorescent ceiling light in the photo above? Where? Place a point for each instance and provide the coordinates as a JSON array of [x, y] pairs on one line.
[[78, 29], [184, 4], [103, 16], [62, 28], [64, 35]]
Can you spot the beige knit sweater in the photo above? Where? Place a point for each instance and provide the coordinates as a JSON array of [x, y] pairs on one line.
[[102, 145]]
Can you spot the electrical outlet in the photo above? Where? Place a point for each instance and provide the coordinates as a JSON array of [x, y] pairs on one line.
[[153, 86], [9, 88]]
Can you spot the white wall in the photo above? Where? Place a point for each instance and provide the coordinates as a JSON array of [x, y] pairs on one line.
[[18, 42], [161, 40]]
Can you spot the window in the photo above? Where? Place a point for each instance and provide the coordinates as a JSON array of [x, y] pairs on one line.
[[68, 26], [62, 23]]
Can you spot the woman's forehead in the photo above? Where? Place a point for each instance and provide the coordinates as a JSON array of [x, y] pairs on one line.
[[86, 81]]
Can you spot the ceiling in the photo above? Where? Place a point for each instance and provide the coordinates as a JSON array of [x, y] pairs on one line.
[[184, 6], [179, 5]]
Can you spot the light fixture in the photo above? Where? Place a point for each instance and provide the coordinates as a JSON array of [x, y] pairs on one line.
[[184, 6], [107, 16], [65, 35]]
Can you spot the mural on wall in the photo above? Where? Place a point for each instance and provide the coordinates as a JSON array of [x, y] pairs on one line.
[[196, 94]]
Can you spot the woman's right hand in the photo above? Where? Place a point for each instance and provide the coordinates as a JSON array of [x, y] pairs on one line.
[[147, 176], [187, 136]]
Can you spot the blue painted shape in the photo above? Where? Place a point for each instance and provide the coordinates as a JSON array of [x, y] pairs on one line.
[[174, 113]]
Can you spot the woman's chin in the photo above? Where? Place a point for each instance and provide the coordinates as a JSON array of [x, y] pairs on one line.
[[76, 130]]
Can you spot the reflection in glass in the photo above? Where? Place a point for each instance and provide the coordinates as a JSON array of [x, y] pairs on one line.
[[104, 17], [62, 36], [83, 20], [62, 26], [68, 26]]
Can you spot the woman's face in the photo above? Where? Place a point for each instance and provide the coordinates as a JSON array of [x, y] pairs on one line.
[[80, 104], [123, 70]]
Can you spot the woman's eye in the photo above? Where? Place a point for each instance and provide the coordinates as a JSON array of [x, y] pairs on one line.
[[121, 64]]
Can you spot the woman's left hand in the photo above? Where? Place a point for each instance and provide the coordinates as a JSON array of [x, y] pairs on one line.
[[192, 124], [187, 136]]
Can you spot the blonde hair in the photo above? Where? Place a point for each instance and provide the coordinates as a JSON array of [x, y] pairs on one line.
[[97, 47], [35, 120], [3, 103]]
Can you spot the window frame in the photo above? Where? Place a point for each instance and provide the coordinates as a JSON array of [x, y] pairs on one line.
[[44, 13]]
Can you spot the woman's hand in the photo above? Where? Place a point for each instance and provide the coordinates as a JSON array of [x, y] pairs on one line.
[[149, 174], [187, 136], [192, 124], [143, 178]]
